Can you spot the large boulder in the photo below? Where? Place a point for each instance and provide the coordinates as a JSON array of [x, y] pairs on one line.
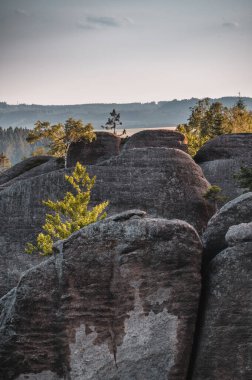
[[163, 182], [105, 146], [236, 211], [156, 138], [118, 301], [222, 157], [225, 338]]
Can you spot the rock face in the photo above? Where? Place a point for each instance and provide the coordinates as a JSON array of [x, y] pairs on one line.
[[222, 157], [23, 167], [225, 339], [163, 182], [156, 138], [236, 211], [105, 146], [118, 301]]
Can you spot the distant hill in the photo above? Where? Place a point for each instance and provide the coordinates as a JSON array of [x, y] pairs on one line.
[[133, 115]]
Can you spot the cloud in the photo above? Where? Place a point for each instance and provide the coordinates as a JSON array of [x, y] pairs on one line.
[[230, 25], [102, 22], [21, 12]]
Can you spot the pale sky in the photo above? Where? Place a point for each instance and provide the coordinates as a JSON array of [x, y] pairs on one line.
[[103, 51]]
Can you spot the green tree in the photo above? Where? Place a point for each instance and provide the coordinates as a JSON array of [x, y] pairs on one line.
[[60, 136], [208, 120], [213, 195], [69, 214], [239, 119], [114, 122], [244, 178]]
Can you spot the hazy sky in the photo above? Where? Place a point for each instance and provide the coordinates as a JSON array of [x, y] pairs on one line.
[[86, 51]]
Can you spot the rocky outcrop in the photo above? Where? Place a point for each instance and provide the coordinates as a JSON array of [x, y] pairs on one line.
[[49, 166], [105, 146], [222, 157], [23, 167], [156, 138], [225, 339], [236, 211], [163, 182], [118, 301]]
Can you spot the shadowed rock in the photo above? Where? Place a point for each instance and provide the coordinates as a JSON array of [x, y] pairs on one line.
[[23, 167], [222, 157], [156, 138], [105, 146], [236, 211], [225, 339], [119, 301], [163, 182]]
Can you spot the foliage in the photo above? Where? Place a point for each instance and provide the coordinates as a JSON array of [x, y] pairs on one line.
[[60, 136], [40, 151], [114, 122], [209, 120], [244, 178], [213, 194], [69, 214]]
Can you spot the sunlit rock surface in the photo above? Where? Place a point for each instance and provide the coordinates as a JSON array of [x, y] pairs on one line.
[[156, 138], [119, 301], [105, 146]]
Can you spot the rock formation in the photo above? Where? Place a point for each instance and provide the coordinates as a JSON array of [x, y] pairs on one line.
[[119, 301], [225, 339], [156, 138], [105, 146], [237, 211], [163, 182], [222, 157]]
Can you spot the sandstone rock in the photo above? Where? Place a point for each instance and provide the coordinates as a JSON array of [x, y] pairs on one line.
[[163, 182], [157, 138], [225, 147], [222, 157], [239, 233], [51, 165], [105, 146], [118, 302], [234, 212], [22, 167], [225, 339]]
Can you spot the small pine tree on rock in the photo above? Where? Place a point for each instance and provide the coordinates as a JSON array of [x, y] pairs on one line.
[[69, 214]]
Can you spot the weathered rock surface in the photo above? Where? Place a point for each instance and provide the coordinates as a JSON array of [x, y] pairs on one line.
[[234, 212], [49, 166], [23, 167], [226, 147], [163, 182], [225, 339], [118, 302], [156, 138], [222, 157], [105, 146]]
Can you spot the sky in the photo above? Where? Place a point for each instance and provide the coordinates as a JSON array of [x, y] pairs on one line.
[[104, 51]]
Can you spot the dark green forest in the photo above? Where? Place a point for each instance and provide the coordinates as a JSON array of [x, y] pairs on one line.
[[14, 145]]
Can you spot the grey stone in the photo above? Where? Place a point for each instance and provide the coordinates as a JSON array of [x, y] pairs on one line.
[[222, 157], [232, 213], [156, 138], [225, 339], [239, 233], [105, 146], [118, 301], [162, 182]]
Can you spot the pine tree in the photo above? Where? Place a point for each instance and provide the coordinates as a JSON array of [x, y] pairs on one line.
[[60, 136], [69, 214]]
